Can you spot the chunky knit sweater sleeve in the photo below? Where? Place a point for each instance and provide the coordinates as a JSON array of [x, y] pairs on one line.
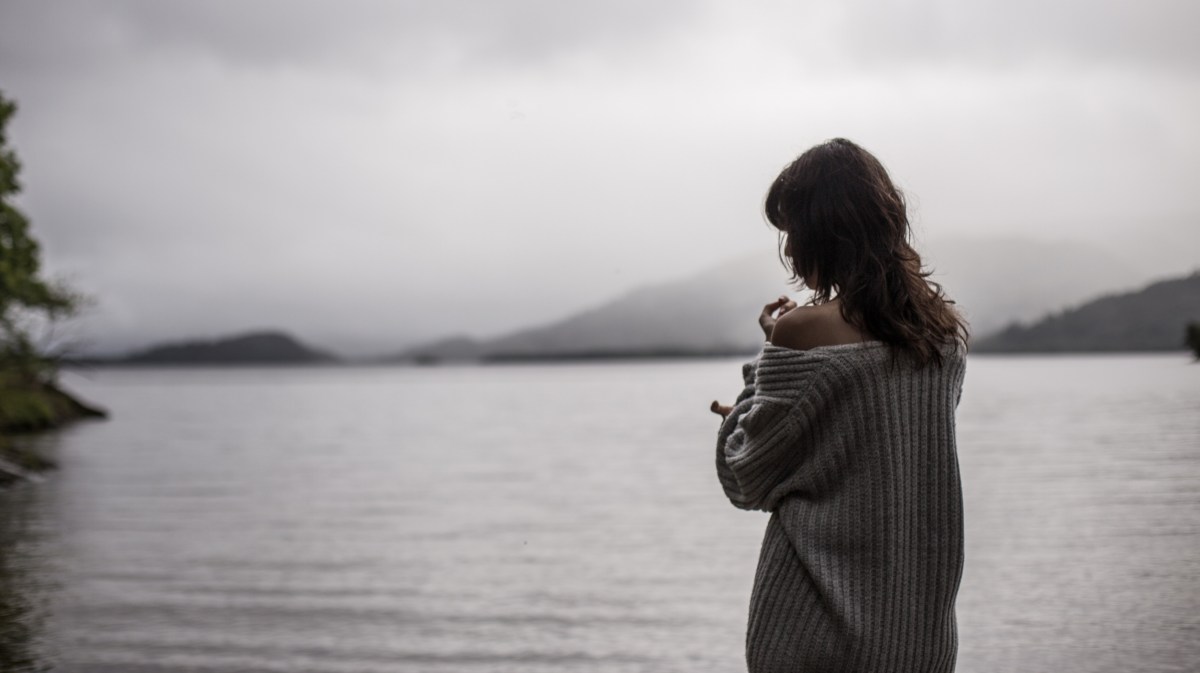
[[757, 449]]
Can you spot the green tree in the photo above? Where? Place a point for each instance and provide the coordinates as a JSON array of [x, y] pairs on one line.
[[25, 297]]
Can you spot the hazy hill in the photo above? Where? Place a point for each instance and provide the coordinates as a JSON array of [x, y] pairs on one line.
[[1151, 319], [998, 281], [712, 312], [253, 348], [995, 281]]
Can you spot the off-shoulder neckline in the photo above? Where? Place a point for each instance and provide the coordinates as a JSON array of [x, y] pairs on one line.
[[854, 345]]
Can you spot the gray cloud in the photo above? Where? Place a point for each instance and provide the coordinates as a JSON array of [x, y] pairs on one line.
[[1005, 32], [362, 34], [353, 35]]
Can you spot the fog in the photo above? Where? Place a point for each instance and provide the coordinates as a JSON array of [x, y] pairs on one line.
[[372, 174]]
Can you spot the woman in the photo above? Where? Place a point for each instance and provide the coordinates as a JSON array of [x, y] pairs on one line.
[[845, 433]]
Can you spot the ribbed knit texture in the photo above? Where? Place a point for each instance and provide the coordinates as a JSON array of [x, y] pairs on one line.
[[852, 450]]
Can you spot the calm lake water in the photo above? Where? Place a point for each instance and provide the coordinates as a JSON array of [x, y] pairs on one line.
[[562, 518]]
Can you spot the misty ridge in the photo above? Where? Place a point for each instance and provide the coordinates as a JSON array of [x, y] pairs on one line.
[[1019, 296]]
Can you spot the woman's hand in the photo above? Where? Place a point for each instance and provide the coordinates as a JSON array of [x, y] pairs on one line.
[[718, 408], [766, 319]]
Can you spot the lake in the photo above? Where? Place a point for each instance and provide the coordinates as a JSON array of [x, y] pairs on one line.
[[562, 517]]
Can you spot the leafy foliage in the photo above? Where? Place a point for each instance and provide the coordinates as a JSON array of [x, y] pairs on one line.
[[24, 295]]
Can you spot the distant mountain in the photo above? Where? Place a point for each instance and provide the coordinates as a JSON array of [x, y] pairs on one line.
[[268, 347], [712, 312], [998, 281], [1152, 319], [994, 281], [708, 313]]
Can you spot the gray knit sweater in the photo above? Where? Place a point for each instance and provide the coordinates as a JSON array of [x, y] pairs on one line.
[[852, 450]]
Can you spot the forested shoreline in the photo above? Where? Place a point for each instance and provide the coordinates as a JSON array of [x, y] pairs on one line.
[[30, 397]]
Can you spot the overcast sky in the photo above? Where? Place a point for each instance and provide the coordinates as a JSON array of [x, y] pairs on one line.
[[368, 174]]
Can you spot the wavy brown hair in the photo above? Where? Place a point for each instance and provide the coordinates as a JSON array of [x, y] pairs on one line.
[[845, 232]]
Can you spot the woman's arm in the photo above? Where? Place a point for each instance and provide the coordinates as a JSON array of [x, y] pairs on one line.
[[757, 449], [756, 452]]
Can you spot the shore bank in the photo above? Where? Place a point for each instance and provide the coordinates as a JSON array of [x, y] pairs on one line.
[[33, 408]]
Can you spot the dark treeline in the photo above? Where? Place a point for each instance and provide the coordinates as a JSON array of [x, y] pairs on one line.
[[269, 347], [1155, 318]]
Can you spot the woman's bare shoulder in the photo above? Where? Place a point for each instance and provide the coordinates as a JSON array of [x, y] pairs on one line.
[[808, 327]]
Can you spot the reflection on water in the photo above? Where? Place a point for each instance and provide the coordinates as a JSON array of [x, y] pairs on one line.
[[20, 621], [24, 579], [562, 518]]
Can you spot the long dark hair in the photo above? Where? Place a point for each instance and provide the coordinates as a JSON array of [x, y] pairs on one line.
[[845, 232]]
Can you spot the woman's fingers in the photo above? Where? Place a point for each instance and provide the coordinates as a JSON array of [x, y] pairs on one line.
[[771, 307], [766, 319], [718, 408], [783, 304]]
